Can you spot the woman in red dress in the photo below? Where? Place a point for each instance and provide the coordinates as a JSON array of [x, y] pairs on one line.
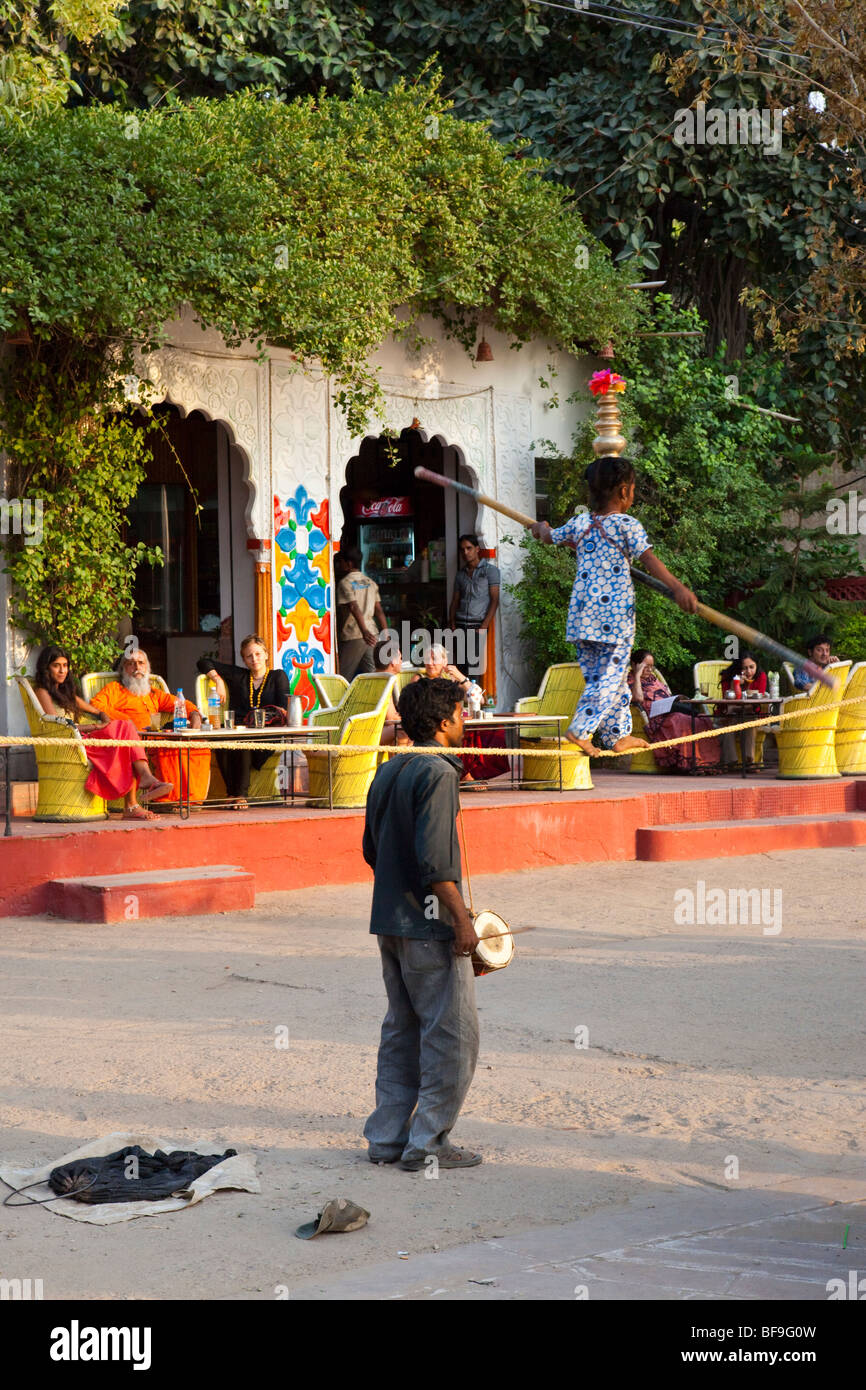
[[115, 772]]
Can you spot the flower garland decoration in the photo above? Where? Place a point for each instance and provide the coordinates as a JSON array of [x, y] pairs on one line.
[[602, 382]]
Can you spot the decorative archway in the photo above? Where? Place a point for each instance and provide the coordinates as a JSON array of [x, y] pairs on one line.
[[233, 392]]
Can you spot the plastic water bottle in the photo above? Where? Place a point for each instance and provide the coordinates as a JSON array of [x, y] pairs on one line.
[[180, 721], [213, 706]]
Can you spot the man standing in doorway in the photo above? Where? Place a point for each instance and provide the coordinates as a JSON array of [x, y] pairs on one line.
[[473, 606], [357, 605], [429, 1041]]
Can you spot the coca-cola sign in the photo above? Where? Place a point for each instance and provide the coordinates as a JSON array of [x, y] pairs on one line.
[[384, 506]]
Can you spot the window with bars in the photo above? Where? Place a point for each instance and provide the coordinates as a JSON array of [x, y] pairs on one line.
[[542, 499]]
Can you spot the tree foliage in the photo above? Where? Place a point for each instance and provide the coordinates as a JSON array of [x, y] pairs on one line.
[[308, 224], [35, 70], [752, 239], [711, 476], [75, 584], [314, 224]]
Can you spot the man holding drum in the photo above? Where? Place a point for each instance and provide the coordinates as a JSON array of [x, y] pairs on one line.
[[429, 1041]]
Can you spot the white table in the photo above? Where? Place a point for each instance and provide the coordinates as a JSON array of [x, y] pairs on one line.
[[278, 734]]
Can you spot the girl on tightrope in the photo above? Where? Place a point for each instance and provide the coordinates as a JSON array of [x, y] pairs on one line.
[[601, 611]]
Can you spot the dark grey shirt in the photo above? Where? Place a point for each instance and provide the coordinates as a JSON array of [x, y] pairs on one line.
[[410, 841], [473, 591]]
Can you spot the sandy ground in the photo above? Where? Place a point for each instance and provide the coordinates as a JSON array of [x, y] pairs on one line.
[[705, 1044]]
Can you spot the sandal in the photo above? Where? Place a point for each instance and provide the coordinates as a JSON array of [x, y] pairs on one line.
[[240, 805], [474, 786], [445, 1158], [138, 813]]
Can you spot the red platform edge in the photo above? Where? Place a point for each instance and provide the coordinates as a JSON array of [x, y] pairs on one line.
[[86, 902], [298, 851]]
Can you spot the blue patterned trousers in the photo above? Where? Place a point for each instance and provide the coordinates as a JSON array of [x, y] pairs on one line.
[[604, 704]]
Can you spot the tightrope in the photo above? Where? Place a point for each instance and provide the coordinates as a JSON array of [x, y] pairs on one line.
[[350, 749]]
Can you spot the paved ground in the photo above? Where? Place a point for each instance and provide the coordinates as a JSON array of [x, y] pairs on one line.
[[703, 1140]]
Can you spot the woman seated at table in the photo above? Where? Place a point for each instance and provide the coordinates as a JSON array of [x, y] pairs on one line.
[[242, 689], [478, 766], [436, 664], [646, 686], [753, 682], [115, 772]]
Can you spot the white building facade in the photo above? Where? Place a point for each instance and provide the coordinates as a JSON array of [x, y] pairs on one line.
[[280, 462]]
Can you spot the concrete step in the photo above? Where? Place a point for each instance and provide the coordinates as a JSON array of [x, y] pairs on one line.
[[726, 839], [153, 893]]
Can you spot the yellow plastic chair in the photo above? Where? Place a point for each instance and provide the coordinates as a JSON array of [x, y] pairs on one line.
[[351, 773], [851, 726], [709, 673], [559, 693], [362, 696], [807, 744], [330, 689], [62, 767]]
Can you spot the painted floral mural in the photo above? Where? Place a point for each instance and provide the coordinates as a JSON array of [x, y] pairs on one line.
[[302, 571]]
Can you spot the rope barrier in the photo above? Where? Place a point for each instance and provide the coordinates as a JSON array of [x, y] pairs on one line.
[[347, 749]]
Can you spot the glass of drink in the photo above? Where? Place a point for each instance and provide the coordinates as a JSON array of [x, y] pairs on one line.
[[259, 717], [156, 722], [228, 719]]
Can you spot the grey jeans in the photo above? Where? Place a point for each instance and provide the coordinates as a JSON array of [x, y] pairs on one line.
[[428, 1048], [356, 659]]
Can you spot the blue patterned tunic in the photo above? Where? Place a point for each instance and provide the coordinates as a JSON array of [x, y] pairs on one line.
[[602, 608]]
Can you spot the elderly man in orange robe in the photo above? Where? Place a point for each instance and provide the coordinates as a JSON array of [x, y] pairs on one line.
[[131, 696]]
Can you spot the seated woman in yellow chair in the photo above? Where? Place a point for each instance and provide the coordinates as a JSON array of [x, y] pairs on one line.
[[646, 686], [115, 772]]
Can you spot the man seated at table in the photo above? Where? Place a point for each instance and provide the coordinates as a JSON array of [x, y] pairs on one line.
[[131, 696]]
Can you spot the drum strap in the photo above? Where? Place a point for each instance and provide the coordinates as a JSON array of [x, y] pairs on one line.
[[466, 858]]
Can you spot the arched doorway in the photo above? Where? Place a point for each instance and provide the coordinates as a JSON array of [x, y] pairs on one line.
[[407, 529], [193, 505]]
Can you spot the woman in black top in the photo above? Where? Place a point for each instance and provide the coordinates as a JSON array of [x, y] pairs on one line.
[[242, 688]]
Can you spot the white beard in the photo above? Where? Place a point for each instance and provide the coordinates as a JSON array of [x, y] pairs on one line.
[[136, 685]]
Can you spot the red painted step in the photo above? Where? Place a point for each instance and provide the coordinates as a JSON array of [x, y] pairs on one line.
[[157, 893], [727, 839]]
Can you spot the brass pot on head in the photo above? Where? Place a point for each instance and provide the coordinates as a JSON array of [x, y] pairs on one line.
[[609, 438]]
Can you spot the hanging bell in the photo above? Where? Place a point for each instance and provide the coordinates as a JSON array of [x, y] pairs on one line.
[[485, 352], [607, 352]]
